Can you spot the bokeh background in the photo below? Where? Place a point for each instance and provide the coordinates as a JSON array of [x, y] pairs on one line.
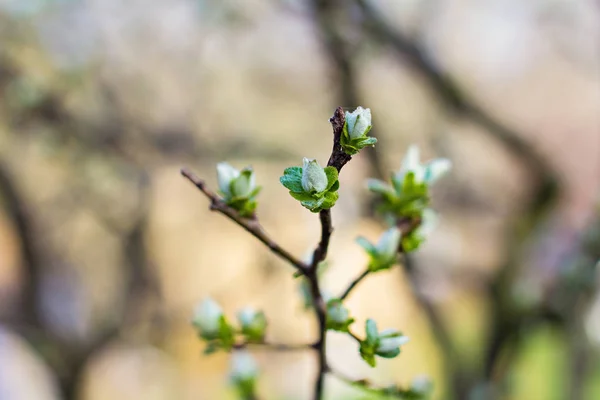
[[105, 249]]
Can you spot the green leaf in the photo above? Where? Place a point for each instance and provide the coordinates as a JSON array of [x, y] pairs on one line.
[[248, 208], [378, 186], [302, 196], [349, 149], [372, 334], [345, 134], [411, 242], [335, 187], [292, 179], [367, 141], [367, 354], [390, 354], [332, 177], [314, 205], [211, 348], [226, 334], [330, 199], [368, 246], [255, 192]]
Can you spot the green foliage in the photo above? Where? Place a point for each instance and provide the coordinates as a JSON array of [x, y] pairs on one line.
[[223, 340], [404, 203], [253, 324], [338, 316], [306, 192], [385, 344], [238, 188], [384, 254], [357, 125]]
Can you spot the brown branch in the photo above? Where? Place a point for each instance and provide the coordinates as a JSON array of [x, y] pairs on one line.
[[19, 212], [343, 72], [276, 346], [337, 159], [354, 283], [251, 225], [380, 30], [366, 385]]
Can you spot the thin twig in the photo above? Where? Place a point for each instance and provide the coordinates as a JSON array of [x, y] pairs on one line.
[[364, 384], [354, 283], [249, 224], [354, 336], [276, 346]]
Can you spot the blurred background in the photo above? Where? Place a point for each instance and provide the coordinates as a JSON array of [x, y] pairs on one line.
[[105, 249]]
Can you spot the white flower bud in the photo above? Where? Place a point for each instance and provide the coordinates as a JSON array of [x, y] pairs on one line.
[[244, 184], [246, 316], [243, 367], [252, 322], [337, 312], [437, 168], [411, 163], [359, 122], [429, 222], [314, 178], [207, 317], [225, 175], [387, 247], [421, 384], [389, 340]]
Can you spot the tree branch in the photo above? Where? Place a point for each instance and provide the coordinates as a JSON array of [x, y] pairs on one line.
[[365, 385], [450, 93], [276, 346], [250, 225], [337, 159], [354, 283]]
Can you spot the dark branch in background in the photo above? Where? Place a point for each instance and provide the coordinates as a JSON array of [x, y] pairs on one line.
[[327, 17], [20, 214], [249, 224], [69, 360], [380, 30]]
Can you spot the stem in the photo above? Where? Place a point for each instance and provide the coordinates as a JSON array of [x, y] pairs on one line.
[[354, 336], [321, 345], [337, 159], [365, 385], [276, 346], [249, 224], [354, 283]]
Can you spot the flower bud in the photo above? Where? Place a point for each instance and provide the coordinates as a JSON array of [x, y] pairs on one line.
[[429, 221], [421, 385], [437, 168], [411, 163], [253, 323], [314, 178], [243, 369], [387, 247], [244, 184], [207, 318], [338, 316], [359, 122], [226, 174], [389, 342]]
